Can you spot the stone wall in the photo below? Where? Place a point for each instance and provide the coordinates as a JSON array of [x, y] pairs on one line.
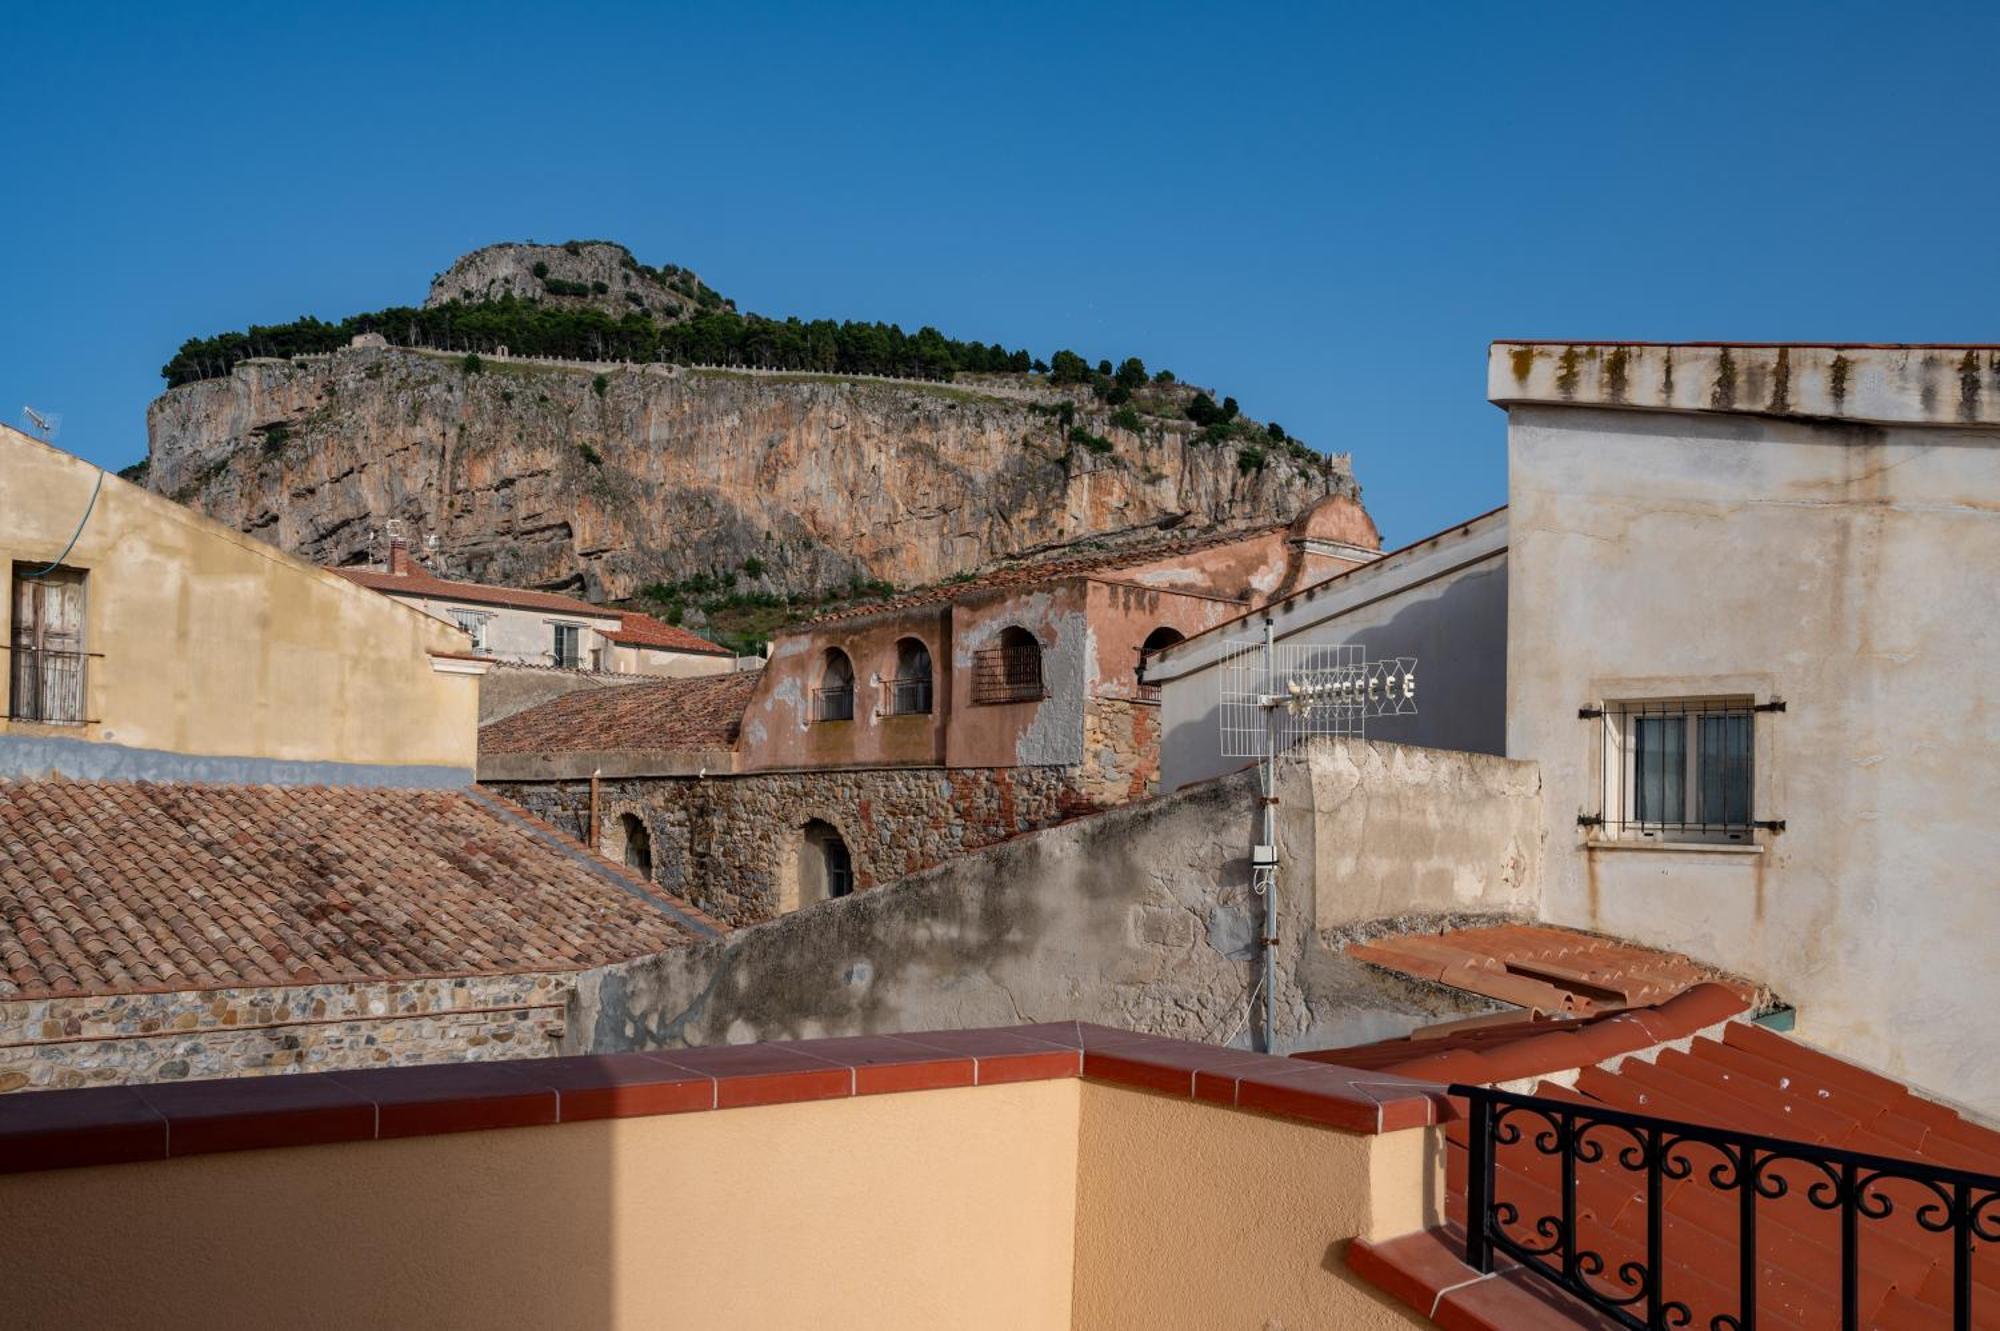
[[1121, 749], [55, 1043], [724, 843], [1140, 917]]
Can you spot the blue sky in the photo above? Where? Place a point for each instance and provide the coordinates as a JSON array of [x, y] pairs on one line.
[[1326, 212]]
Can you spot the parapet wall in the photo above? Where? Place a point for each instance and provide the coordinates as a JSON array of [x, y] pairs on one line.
[[1140, 917]]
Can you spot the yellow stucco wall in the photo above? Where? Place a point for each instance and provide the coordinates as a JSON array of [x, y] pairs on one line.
[[921, 1211], [1191, 1218], [215, 644]]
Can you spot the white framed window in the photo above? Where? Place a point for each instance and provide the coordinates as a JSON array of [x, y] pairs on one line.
[[1680, 769], [474, 623], [568, 649]]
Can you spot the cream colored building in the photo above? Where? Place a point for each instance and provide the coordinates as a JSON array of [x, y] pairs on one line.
[[520, 626], [148, 642]]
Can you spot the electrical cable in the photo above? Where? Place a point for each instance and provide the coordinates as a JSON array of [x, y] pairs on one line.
[[77, 535]]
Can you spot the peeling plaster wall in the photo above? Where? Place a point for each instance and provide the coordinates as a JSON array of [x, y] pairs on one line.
[[1139, 917], [1848, 569]]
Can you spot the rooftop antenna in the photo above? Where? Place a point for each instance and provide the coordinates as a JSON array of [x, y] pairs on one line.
[[1276, 694], [46, 424]]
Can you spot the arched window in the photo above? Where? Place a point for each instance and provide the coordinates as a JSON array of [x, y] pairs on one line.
[[1010, 670], [638, 845], [822, 868], [1158, 640], [910, 695], [833, 700]]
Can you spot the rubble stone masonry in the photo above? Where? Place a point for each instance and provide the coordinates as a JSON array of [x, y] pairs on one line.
[[69, 1040], [724, 843]]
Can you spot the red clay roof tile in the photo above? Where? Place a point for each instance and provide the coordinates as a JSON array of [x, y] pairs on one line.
[[637, 630], [113, 887], [703, 712]]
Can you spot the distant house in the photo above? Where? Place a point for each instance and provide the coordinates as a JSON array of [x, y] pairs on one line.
[[238, 830], [886, 737], [523, 627]]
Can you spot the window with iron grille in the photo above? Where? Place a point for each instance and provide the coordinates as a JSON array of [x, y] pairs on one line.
[[833, 700], [45, 646], [1010, 671], [910, 692], [473, 622], [1680, 770]]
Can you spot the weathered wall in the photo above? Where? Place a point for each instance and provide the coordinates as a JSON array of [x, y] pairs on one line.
[[911, 1212], [507, 688], [1847, 569], [1139, 917], [214, 645], [727, 844], [68, 1041], [1442, 600], [521, 635]]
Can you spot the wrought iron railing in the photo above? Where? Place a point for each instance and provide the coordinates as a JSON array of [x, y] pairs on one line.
[[46, 685], [1857, 1195], [1007, 674], [909, 697], [834, 703]]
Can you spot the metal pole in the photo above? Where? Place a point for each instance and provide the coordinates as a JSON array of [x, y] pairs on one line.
[[1270, 838]]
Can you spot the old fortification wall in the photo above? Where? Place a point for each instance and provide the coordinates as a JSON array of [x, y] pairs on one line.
[[1139, 917]]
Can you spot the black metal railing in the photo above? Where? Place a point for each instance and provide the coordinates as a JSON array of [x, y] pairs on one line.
[[1606, 1152], [910, 697], [835, 703], [1680, 770], [46, 685], [1007, 674]]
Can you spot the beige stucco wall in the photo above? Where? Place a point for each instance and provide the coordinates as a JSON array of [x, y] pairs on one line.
[[1188, 1217], [217, 645], [935, 1209], [1848, 569]]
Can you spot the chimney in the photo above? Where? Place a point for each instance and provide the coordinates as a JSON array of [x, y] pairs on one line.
[[399, 557]]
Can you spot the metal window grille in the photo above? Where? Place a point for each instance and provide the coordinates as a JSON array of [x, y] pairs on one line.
[[834, 703], [46, 675], [1008, 674], [910, 697], [47, 686], [1680, 770], [839, 869]]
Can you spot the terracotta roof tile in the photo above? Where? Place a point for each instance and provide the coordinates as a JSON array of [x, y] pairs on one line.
[[637, 630], [701, 712], [109, 887], [420, 581], [1544, 969]]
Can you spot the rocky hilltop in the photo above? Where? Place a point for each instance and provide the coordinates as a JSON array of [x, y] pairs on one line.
[[602, 479], [581, 274]]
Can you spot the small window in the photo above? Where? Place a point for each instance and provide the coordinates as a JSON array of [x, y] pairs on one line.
[[47, 657], [821, 867], [568, 652], [1009, 671], [1680, 770], [910, 694], [638, 844], [833, 700], [474, 624]]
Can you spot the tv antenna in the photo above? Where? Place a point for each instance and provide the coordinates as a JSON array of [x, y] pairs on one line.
[[46, 424], [1276, 694]]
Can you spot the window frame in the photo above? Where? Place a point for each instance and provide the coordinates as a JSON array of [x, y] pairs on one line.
[[556, 645], [920, 689], [834, 702], [474, 624], [34, 579], [1621, 786]]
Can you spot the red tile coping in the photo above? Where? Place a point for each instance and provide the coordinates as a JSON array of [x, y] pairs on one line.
[[119, 1124]]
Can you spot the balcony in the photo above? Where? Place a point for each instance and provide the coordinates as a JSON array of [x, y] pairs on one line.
[[1022, 1179], [47, 686]]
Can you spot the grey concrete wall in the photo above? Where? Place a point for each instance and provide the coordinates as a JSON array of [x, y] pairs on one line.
[[1442, 601], [1848, 569], [1139, 917]]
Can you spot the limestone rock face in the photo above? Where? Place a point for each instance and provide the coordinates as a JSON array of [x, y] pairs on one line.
[[599, 480], [579, 275]]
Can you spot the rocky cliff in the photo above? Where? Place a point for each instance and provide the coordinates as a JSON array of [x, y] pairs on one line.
[[580, 274], [601, 479]]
